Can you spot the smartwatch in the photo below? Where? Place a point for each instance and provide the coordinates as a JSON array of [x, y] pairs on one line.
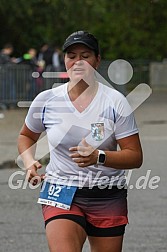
[[101, 157]]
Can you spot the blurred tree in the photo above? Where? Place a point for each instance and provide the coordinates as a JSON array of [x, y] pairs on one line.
[[126, 29]]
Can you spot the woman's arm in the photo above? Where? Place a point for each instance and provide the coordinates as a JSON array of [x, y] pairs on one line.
[[27, 145], [128, 157]]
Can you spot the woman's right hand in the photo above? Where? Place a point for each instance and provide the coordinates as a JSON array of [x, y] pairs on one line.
[[33, 176], [27, 146]]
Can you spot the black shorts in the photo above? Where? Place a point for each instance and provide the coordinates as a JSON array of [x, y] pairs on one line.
[[101, 212]]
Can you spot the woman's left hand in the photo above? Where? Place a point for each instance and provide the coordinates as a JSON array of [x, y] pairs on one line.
[[84, 155]]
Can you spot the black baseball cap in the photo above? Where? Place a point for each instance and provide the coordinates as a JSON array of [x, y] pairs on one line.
[[82, 37]]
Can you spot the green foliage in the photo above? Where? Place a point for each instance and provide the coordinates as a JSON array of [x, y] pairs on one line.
[[126, 29]]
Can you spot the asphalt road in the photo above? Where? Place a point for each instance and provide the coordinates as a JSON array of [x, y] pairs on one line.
[[22, 228]]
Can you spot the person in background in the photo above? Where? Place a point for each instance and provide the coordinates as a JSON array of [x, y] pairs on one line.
[[57, 60], [29, 59], [46, 54], [5, 54], [58, 65], [84, 193], [40, 80], [7, 85]]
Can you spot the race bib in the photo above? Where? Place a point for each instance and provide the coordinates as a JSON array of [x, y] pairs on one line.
[[56, 195]]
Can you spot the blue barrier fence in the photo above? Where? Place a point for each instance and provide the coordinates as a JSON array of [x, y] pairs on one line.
[[17, 83]]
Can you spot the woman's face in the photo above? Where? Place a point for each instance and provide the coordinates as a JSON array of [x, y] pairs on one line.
[[81, 62]]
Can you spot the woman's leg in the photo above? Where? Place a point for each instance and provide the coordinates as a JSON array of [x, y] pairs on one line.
[[65, 235], [106, 244]]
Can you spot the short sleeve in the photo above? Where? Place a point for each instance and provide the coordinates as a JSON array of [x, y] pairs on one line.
[[34, 118], [125, 123]]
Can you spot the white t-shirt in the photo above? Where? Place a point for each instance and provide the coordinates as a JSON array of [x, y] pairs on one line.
[[65, 126]]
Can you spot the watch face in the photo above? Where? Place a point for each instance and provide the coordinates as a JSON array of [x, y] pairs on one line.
[[101, 158]]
